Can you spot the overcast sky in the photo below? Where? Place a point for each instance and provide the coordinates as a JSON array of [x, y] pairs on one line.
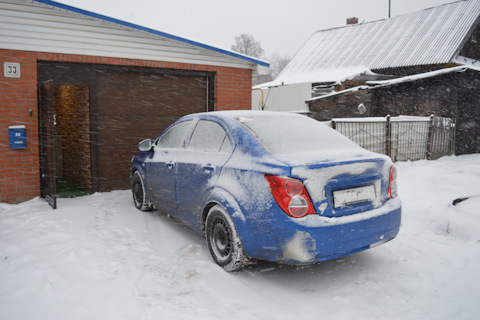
[[281, 26]]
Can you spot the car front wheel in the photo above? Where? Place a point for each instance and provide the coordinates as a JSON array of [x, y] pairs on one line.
[[138, 192], [223, 240]]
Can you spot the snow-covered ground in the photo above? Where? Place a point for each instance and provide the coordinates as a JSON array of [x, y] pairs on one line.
[[97, 257]]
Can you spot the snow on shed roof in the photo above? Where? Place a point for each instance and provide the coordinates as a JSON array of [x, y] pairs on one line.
[[386, 83], [430, 36], [154, 32]]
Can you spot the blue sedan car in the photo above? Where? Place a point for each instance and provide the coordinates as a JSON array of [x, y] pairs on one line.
[[268, 186]]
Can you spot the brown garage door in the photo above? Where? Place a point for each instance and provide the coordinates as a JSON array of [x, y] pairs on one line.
[[133, 105]]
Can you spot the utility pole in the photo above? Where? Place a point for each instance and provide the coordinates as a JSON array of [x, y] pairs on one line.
[[389, 7]]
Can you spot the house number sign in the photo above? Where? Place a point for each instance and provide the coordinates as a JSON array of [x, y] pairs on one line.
[[11, 70]]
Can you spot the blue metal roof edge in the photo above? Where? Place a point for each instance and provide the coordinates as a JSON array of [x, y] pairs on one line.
[[156, 32]]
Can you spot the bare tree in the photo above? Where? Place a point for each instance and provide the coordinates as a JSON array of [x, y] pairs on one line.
[[247, 45], [277, 64]]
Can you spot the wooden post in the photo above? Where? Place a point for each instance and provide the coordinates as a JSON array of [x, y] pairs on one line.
[[453, 127], [388, 138], [430, 138]]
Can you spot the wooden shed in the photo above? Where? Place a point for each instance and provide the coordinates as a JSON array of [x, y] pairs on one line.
[[417, 64]]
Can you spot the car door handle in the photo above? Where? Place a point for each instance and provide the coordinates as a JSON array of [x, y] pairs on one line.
[[170, 165], [208, 168]]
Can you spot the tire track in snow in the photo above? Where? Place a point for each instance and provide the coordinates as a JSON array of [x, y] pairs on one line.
[[161, 278]]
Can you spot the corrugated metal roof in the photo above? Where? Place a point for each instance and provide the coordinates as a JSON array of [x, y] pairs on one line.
[[431, 36]]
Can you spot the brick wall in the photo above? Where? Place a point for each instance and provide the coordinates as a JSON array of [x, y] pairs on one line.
[[72, 134], [19, 169]]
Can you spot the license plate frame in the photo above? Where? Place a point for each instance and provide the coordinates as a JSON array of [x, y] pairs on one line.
[[346, 197]]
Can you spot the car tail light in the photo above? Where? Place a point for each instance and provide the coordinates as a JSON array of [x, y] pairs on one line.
[[392, 183], [291, 196]]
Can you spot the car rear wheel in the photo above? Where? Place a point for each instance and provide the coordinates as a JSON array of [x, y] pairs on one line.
[[223, 240], [138, 192]]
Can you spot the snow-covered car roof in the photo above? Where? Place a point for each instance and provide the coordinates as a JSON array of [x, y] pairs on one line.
[[286, 135]]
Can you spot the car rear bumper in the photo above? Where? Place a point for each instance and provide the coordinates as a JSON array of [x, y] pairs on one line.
[[314, 238]]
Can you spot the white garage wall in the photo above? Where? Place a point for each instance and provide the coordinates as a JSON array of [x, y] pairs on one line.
[[282, 98]]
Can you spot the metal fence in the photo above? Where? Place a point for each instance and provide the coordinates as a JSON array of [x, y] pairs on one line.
[[402, 138]]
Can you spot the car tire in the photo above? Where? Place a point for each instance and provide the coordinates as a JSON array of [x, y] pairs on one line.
[[138, 192], [223, 240]]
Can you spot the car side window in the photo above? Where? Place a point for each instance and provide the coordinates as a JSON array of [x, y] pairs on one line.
[[226, 147], [209, 136], [175, 136]]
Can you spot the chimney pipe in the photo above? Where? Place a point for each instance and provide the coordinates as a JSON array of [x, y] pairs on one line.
[[353, 20]]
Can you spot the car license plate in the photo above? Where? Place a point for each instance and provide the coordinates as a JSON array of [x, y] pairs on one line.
[[343, 198]]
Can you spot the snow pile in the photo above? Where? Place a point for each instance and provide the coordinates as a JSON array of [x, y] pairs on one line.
[[97, 257], [448, 179]]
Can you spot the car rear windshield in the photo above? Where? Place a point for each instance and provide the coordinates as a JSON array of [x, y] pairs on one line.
[[290, 134]]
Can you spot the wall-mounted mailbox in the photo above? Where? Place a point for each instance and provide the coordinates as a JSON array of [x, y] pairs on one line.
[[17, 137]]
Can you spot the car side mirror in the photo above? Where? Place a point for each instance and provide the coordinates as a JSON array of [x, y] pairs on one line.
[[145, 145]]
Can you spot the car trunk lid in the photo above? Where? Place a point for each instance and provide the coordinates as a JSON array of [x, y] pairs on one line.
[[340, 188]]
